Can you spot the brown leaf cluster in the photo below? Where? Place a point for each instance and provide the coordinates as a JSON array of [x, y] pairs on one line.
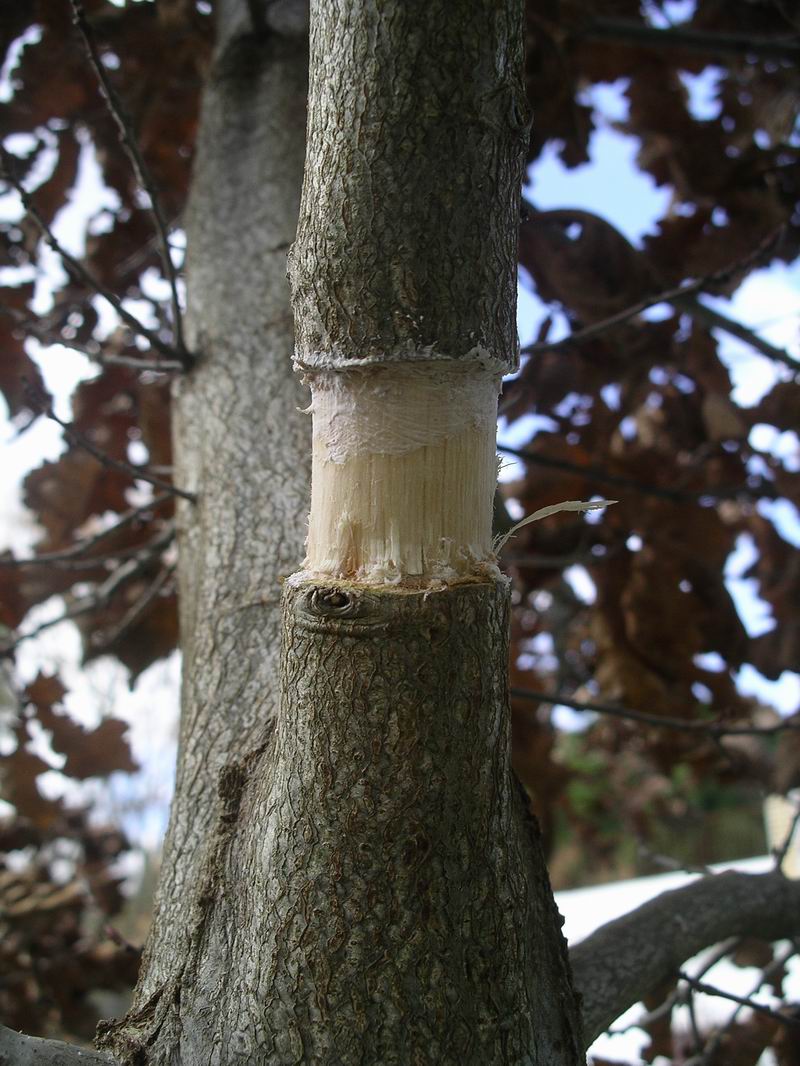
[[59, 885], [105, 549], [643, 412]]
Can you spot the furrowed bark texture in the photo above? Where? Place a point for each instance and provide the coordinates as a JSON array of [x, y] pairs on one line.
[[413, 920], [240, 444], [377, 895], [417, 127]]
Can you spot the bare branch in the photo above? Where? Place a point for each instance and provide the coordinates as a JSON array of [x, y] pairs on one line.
[[81, 441], [255, 9], [154, 366], [666, 862], [716, 320], [714, 729], [48, 337], [16, 1049], [684, 298], [714, 1042], [67, 555], [644, 1021], [140, 168], [607, 478], [743, 1001], [721, 44], [106, 637], [614, 967], [76, 268], [781, 852], [104, 593]]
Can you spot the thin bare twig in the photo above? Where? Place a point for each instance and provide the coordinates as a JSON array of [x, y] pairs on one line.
[[104, 593], [255, 10], [716, 320], [81, 441], [712, 729], [675, 998], [743, 1001], [712, 1045], [688, 1000], [666, 862], [48, 336], [677, 295], [81, 547], [107, 636], [153, 366], [76, 268], [607, 478], [725, 44], [779, 854], [140, 168]]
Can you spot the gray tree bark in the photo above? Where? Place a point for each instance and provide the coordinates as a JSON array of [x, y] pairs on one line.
[[376, 893], [240, 440], [625, 959], [613, 968]]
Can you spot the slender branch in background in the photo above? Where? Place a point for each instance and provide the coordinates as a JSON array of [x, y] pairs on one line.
[[687, 998], [255, 9], [721, 44], [716, 320], [780, 853], [154, 366], [683, 297], [607, 478], [666, 862], [106, 637], [743, 1001], [712, 729], [81, 547], [104, 593], [81, 441], [792, 17], [644, 1021], [47, 336], [712, 1045], [75, 268], [140, 168], [675, 998]]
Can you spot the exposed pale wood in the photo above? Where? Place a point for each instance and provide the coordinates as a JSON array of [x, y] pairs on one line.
[[404, 472]]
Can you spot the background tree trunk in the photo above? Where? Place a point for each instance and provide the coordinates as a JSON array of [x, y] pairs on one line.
[[240, 440]]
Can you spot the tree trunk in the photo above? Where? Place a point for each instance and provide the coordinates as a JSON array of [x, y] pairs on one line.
[[240, 440], [372, 890]]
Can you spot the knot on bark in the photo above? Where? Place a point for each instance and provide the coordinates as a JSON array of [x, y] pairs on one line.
[[333, 602]]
